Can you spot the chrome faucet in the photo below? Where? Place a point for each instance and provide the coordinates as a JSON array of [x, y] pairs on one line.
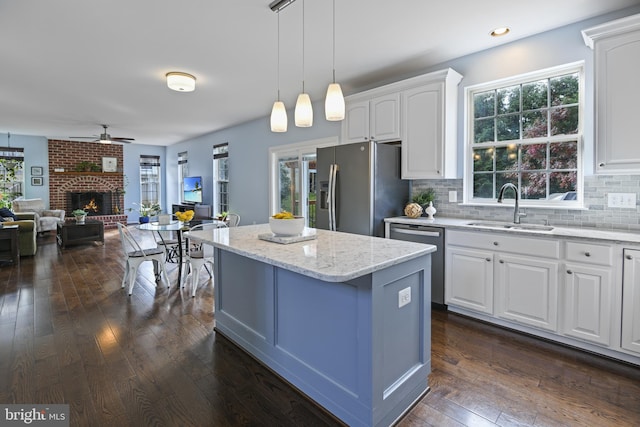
[[516, 209]]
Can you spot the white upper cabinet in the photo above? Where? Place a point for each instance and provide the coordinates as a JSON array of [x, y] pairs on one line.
[[377, 119], [421, 112], [617, 60]]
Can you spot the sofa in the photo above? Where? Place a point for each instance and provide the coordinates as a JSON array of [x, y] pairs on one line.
[[46, 219], [27, 232]]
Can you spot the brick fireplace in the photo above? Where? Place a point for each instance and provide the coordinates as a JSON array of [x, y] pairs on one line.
[[65, 181]]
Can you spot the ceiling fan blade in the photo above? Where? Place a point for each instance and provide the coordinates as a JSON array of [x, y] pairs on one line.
[[115, 138], [83, 137]]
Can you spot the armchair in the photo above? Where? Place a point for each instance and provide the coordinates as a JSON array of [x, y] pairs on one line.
[[46, 219]]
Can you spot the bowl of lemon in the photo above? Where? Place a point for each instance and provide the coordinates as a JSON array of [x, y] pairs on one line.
[[185, 216], [286, 224]]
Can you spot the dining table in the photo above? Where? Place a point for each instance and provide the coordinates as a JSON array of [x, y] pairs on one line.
[[178, 227]]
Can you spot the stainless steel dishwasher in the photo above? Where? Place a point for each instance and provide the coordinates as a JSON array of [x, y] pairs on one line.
[[432, 236]]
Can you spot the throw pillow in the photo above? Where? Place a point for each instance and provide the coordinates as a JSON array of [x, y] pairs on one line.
[[7, 219], [6, 212]]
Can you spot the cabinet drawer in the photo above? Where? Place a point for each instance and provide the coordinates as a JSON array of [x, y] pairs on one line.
[[589, 253], [502, 242]]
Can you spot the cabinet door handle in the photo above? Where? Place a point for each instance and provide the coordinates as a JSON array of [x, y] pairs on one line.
[[501, 261], [569, 272], [629, 257], [587, 254], [601, 164], [488, 259], [495, 243]]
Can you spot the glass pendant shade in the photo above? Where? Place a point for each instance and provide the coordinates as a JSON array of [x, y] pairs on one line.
[[334, 103], [304, 111], [278, 117]]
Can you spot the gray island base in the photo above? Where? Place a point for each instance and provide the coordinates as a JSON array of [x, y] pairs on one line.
[[344, 318]]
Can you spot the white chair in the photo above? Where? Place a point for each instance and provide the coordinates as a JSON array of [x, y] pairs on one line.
[[200, 255], [135, 256], [233, 220], [46, 219]]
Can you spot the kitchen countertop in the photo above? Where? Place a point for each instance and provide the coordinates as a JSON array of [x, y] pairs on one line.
[[592, 234], [331, 256]]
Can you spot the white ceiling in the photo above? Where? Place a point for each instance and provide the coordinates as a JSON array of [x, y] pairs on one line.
[[67, 66]]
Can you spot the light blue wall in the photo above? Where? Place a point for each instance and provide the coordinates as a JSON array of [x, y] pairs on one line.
[[36, 153], [248, 161], [131, 170]]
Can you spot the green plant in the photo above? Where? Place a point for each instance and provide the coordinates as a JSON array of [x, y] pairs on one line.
[[424, 197], [79, 212], [147, 210], [86, 166]]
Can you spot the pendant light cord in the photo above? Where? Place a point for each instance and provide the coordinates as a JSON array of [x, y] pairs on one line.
[[334, 41], [278, 55], [302, 46]]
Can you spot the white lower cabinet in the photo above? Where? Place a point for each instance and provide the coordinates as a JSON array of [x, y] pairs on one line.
[[469, 274], [585, 293], [588, 294], [588, 303], [631, 301], [527, 291]]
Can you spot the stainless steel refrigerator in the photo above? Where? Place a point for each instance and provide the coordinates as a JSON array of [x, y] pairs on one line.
[[359, 186]]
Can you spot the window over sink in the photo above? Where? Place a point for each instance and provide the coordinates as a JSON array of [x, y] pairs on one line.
[[526, 130]]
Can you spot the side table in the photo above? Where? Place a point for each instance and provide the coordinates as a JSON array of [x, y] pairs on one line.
[[72, 233], [9, 252]]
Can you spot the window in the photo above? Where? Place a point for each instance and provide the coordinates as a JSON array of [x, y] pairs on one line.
[[293, 178], [11, 175], [527, 131], [183, 171], [149, 180], [221, 177]]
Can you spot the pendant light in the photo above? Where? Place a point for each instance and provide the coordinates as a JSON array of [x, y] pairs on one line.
[[278, 112], [304, 110], [334, 101]]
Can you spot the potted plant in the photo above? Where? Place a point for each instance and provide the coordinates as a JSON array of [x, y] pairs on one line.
[[147, 211], [425, 198], [80, 215]]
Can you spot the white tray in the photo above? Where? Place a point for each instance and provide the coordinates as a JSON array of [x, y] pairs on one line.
[[270, 237]]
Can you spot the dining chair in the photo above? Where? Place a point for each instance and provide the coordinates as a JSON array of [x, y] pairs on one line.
[[167, 241], [233, 220], [200, 255], [135, 255]]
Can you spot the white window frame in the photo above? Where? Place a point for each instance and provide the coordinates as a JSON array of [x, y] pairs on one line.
[[575, 67], [217, 208], [298, 149]]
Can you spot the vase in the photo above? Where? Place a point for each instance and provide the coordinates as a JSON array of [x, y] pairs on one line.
[[430, 211], [143, 219]]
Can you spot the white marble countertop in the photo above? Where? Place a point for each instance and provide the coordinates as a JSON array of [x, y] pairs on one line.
[[331, 256], [592, 234]]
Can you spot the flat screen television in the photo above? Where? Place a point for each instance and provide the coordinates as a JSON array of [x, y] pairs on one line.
[[192, 189]]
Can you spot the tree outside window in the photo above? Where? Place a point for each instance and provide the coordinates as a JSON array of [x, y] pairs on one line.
[[527, 133]]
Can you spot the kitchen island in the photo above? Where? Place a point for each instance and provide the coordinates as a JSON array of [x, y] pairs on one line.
[[344, 318]]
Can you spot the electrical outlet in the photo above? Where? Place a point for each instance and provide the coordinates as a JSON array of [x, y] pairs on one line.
[[453, 196], [621, 200], [404, 297]]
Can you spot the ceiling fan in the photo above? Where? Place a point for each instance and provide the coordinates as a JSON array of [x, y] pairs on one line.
[[105, 138]]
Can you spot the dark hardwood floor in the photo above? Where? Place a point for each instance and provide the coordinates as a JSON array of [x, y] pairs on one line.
[[69, 334]]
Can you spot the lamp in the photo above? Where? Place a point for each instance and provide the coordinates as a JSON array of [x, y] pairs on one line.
[[278, 112], [334, 101], [181, 82], [304, 111]]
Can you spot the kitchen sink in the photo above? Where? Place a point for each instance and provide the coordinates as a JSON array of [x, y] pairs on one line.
[[511, 226]]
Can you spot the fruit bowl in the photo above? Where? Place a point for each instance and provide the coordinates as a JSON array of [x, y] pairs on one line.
[[287, 227]]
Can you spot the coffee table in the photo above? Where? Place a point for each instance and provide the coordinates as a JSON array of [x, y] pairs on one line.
[[72, 233]]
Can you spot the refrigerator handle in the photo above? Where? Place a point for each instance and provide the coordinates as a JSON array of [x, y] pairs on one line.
[[329, 192], [333, 197]]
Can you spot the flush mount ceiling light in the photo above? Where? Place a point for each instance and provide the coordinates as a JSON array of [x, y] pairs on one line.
[[181, 82], [500, 31]]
